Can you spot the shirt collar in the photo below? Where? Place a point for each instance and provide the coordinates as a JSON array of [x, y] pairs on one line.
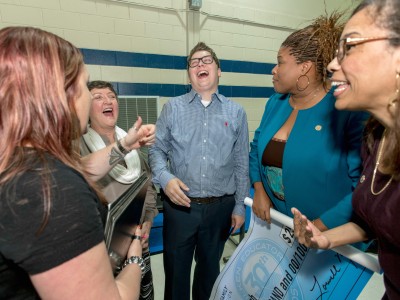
[[193, 94]]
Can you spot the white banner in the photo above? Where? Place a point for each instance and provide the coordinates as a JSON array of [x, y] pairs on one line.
[[270, 264]]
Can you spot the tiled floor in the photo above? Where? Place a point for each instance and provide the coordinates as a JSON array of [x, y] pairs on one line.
[[372, 291]]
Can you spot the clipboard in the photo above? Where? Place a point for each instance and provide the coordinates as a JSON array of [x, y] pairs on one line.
[[123, 215]]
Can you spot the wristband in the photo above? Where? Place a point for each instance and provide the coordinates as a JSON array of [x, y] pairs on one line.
[[121, 148]]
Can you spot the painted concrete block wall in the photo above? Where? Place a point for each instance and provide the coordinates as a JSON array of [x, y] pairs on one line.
[[141, 45]]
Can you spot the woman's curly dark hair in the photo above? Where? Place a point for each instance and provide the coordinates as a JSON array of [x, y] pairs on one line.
[[317, 42]]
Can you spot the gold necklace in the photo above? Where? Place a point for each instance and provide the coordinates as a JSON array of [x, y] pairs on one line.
[[382, 143], [294, 105]]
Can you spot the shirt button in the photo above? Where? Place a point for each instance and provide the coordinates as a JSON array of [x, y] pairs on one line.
[[205, 124], [204, 175], [205, 141]]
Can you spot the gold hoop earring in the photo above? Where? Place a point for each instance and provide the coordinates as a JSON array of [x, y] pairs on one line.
[[393, 102], [297, 83]]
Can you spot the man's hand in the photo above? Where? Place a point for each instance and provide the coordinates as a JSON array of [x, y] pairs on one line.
[[237, 222], [174, 192]]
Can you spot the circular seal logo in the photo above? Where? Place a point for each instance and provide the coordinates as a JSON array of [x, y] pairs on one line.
[[258, 271]]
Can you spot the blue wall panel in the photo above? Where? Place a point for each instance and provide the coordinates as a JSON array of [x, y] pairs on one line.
[[170, 62]]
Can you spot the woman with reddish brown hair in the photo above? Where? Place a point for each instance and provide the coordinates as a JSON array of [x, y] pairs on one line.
[[51, 231]]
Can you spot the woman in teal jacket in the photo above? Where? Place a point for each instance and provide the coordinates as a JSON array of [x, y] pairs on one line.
[[305, 153]]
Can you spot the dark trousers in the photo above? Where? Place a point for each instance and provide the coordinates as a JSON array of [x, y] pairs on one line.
[[200, 231]]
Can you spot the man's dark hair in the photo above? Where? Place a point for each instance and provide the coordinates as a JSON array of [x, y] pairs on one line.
[[201, 46]]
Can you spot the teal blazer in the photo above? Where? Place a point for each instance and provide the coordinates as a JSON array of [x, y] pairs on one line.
[[321, 160]]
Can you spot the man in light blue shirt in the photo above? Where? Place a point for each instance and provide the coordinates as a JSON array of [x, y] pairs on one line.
[[200, 160]]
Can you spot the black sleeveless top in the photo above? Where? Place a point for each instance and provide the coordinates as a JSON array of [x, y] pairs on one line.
[[273, 153]]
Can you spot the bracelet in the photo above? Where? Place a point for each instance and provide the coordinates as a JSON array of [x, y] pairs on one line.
[[121, 148], [136, 237], [135, 260]]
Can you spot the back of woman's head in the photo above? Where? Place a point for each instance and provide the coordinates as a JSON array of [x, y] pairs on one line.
[[317, 42], [39, 74]]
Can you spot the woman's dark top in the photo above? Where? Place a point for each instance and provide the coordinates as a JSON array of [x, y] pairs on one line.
[[75, 226], [273, 153], [379, 217]]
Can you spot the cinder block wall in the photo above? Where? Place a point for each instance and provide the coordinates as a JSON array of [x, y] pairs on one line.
[[141, 45]]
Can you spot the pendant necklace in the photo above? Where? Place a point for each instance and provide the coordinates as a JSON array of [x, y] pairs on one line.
[[382, 143]]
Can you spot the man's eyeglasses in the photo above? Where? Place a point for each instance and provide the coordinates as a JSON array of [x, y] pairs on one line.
[[194, 62], [345, 44]]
